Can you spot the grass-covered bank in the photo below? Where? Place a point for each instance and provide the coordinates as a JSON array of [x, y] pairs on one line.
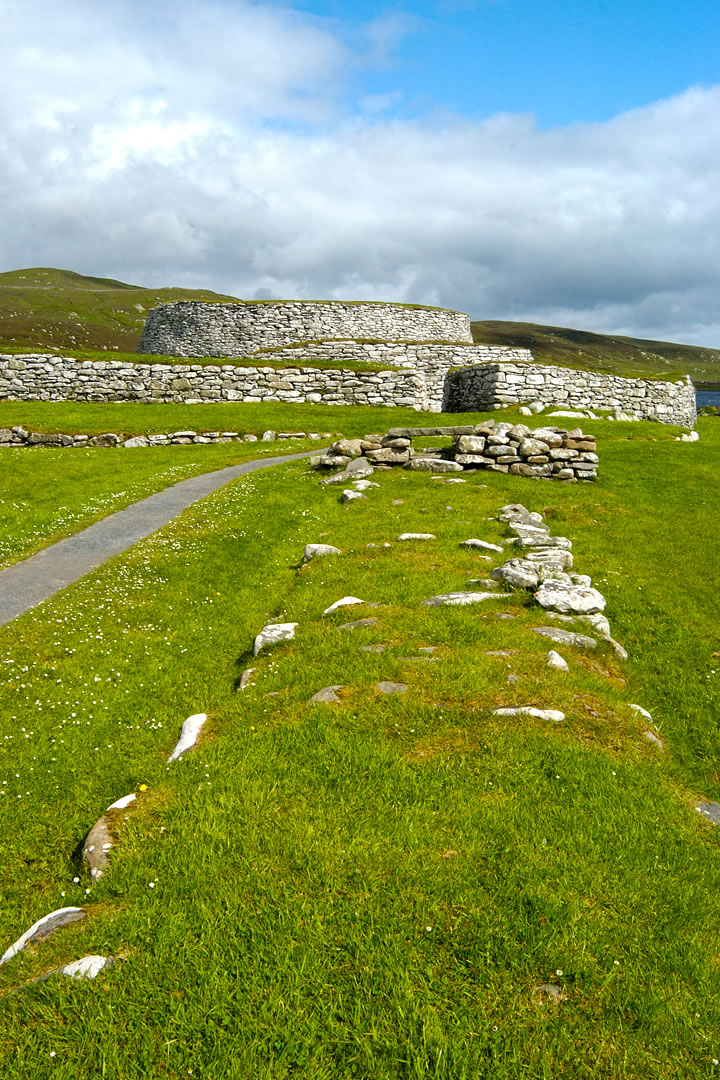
[[374, 888]]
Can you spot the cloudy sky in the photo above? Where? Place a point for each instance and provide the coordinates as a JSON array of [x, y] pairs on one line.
[[544, 160]]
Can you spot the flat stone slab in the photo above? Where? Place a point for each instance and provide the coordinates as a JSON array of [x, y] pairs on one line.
[[480, 545], [709, 810], [358, 624], [391, 687], [87, 967], [565, 637], [328, 695], [417, 536], [459, 599], [529, 710]]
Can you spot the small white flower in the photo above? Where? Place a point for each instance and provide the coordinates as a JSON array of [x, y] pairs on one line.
[[558, 972]]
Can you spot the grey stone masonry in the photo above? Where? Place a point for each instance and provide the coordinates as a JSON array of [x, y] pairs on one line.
[[58, 378], [431, 378], [194, 328], [495, 385]]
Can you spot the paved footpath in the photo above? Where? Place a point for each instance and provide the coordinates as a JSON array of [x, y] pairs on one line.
[[27, 583]]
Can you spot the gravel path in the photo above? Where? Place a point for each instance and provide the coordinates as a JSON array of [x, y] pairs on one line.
[[28, 583]]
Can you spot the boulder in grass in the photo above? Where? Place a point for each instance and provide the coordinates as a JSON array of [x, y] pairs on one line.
[[328, 461], [566, 637], [349, 496], [189, 734], [556, 661], [314, 551], [273, 634], [351, 448], [328, 695], [98, 843], [417, 536]]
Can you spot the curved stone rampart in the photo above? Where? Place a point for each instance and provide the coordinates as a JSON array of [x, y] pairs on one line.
[[194, 328]]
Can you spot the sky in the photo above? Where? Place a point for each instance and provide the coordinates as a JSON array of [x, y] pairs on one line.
[[553, 161]]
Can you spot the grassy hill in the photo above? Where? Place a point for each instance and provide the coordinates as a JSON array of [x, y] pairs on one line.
[[603, 352], [44, 308]]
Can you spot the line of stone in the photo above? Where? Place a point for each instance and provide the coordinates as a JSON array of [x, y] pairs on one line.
[[28, 583]]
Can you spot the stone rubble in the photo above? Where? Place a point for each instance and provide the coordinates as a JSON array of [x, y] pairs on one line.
[[18, 436], [546, 452]]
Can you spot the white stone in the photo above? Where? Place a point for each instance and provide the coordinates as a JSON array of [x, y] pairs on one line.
[[417, 536], [87, 967], [639, 709], [529, 710], [313, 551], [272, 634], [189, 733], [122, 804], [459, 599], [351, 496], [346, 601], [481, 545], [569, 598], [556, 661]]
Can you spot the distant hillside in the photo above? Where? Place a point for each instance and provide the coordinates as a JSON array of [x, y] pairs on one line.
[[602, 352], [42, 308]]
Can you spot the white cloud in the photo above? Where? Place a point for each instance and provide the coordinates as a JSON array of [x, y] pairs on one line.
[[216, 145]]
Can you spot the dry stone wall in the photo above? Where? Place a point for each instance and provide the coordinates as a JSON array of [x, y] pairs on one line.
[[495, 385], [193, 328], [57, 378], [431, 378]]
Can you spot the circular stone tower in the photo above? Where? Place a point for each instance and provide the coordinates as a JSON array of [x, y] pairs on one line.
[[195, 328]]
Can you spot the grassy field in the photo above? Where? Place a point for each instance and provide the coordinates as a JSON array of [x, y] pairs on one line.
[[57, 310], [377, 887], [251, 417], [46, 494]]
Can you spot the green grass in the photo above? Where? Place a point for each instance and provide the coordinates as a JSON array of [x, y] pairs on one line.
[[49, 493], [253, 417], [374, 888]]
